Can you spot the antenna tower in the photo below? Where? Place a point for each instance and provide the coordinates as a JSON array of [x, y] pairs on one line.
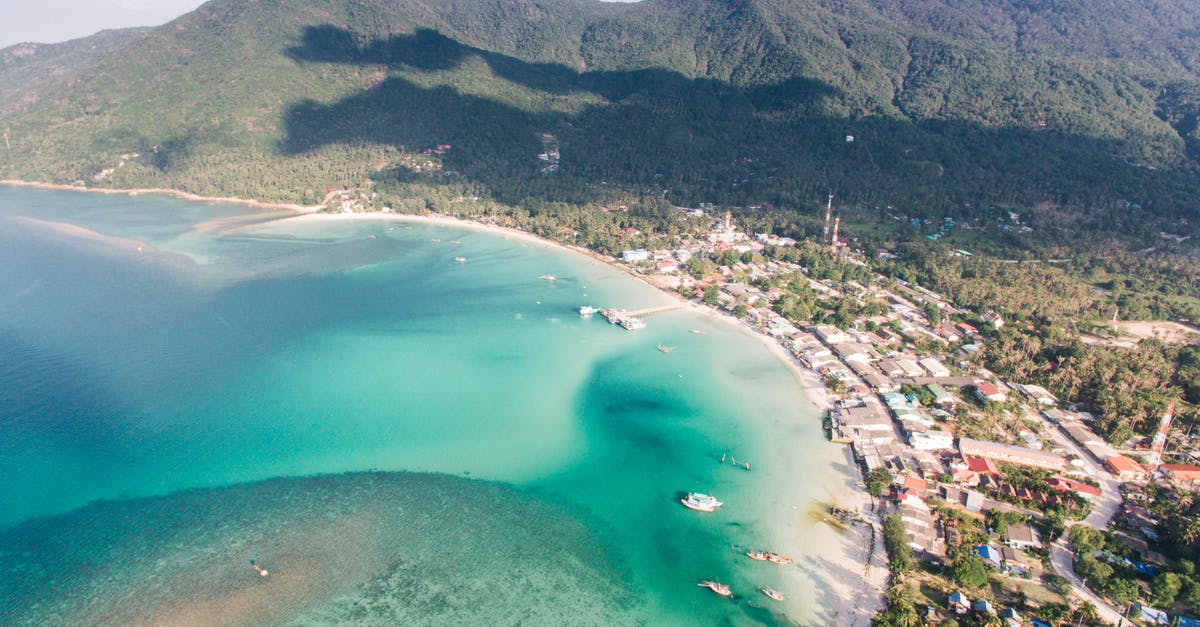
[[828, 213]]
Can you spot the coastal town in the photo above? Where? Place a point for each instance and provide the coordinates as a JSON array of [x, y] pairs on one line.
[[998, 501]]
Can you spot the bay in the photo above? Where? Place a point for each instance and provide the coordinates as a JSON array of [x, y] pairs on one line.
[[161, 354]]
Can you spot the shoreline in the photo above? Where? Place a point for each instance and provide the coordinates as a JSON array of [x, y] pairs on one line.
[[162, 191], [858, 598]]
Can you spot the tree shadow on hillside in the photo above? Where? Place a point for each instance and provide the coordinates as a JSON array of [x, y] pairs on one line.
[[703, 139]]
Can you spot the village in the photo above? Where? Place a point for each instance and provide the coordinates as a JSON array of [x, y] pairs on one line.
[[1001, 491]]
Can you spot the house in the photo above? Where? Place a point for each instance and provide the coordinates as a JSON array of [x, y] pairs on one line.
[[931, 440], [910, 368], [1011, 617], [993, 318], [1124, 468], [983, 607], [1149, 614], [830, 334], [636, 255], [1181, 473], [959, 603], [1039, 394], [990, 392], [667, 267], [974, 500], [990, 554], [941, 397], [1022, 537], [934, 367], [1069, 485]]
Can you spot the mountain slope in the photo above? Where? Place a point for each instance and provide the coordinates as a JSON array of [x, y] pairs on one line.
[[954, 106]]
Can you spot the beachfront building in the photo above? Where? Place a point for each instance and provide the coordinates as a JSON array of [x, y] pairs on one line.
[[869, 424], [1011, 454], [637, 255]]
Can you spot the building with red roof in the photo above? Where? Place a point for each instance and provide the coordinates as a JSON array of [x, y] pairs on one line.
[[1183, 473], [1124, 468]]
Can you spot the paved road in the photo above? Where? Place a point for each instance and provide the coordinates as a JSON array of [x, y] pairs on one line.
[[1104, 509], [1062, 559]]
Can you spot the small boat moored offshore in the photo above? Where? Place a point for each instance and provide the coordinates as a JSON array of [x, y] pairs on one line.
[[772, 594], [548, 277], [716, 587], [767, 556], [262, 572], [701, 502], [587, 310], [460, 259]]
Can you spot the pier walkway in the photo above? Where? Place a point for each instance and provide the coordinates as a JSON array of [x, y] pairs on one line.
[[632, 320]]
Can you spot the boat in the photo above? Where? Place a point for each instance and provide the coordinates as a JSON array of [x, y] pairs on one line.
[[437, 241], [697, 332], [701, 502], [665, 349], [548, 277], [772, 594], [262, 572], [767, 556], [632, 324], [460, 259], [716, 587], [587, 310], [779, 559]]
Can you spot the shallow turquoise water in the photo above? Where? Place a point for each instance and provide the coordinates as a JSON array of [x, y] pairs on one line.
[[156, 346]]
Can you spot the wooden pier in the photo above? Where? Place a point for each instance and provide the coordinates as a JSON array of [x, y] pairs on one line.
[[632, 320]]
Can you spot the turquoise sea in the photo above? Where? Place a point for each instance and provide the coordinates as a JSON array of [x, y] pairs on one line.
[[399, 438]]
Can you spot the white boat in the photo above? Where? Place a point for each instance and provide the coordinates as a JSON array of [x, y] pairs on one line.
[[460, 259], [548, 277], [717, 587], [588, 310], [772, 594], [633, 324], [701, 502]]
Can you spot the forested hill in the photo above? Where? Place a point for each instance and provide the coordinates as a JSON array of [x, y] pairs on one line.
[[1086, 110]]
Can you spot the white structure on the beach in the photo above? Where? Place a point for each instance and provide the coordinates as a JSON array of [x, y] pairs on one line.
[[637, 255]]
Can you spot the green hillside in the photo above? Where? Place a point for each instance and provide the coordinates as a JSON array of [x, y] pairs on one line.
[[1079, 114]]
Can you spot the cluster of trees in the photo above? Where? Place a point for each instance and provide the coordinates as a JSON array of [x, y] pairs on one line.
[[1101, 554]]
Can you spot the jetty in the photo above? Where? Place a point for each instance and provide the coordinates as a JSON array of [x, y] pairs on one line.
[[632, 320]]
